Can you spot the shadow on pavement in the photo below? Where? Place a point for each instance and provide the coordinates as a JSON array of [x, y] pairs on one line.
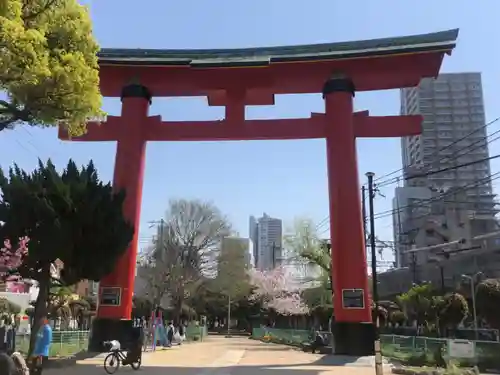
[[84, 369]]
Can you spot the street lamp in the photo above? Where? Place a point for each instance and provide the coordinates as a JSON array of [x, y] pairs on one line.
[[472, 280]]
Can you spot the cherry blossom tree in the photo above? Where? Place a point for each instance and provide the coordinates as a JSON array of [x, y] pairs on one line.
[[11, 258], [277, 291]]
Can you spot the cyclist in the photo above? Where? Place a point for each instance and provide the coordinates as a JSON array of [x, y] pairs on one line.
[[135, 352]]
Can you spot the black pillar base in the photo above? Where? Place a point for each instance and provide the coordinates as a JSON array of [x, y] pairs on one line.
[[355, 339], [107, 329]]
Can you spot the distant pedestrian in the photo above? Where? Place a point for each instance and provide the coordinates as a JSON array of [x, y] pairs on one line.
[[182, 333], [40, 355], [170, 333], [319, 342]]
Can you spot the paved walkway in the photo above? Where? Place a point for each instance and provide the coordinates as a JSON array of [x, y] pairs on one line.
[[235, 356]]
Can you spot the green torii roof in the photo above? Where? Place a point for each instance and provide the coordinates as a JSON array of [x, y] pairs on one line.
[[440, 41]]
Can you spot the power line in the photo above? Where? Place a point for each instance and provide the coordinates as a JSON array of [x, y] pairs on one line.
[[430, 173], [486, 180], [455, 155], [426, 202], [440, 197], [436, 153]]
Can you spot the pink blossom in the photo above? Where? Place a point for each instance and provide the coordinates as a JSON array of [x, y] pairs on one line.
[[277, 291], [11, 258]]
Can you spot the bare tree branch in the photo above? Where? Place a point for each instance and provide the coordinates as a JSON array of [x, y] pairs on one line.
[[185, 252]]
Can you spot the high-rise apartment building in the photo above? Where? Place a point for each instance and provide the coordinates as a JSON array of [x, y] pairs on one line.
[[453, 133], [266, 234]]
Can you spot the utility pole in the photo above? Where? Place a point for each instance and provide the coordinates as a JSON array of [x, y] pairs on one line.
[[378, 355], [441, 273], [397, 252], [159, 253], [363, 209], [414, 267]]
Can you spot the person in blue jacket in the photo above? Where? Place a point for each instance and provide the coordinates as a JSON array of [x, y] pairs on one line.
[[42, 346]]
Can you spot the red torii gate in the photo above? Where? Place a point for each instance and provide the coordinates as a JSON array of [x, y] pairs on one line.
[[227, 79]]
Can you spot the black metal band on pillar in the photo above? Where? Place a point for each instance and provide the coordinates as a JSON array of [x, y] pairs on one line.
[[338, 84], [136, 90]]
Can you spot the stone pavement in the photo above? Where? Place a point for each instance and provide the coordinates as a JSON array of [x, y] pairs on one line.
[[235, 356]]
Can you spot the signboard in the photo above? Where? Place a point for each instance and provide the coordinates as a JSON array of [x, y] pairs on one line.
[[110, 296], [353, 298], [461, 349]]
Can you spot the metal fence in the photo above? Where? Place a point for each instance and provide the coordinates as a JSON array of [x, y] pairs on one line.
[[392, 345], [69, 343], [64, 343], [196, 333], [415, 345]]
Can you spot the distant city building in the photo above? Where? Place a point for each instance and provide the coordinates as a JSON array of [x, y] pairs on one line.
[[452, 108], [266, 234], [446, 206]]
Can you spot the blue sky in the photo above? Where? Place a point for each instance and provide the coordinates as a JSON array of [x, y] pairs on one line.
[[287, 178]]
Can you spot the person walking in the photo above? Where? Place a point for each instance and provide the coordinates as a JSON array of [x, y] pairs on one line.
[[40, 355], [170, 333], [134, 354], [182, 333]]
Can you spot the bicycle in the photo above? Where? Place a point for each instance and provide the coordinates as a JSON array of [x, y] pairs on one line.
[[115, 358]]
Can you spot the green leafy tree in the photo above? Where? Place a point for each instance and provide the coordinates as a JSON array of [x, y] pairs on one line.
[[420, 303], [142, 307], [453, 310], [232, 280], [397, 317], [488, 301], [8, 307], [49, 64], [80, 310], [72, 217], [303, 241], [319, 301], [58, 304]]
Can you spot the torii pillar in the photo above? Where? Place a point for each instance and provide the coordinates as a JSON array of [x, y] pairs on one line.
[[129, 130], [353, 328]]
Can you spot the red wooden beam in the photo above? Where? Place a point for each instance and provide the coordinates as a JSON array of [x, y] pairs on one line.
[[387, 126], [96, 131], [155, 130], [252, 97], [236, 131]]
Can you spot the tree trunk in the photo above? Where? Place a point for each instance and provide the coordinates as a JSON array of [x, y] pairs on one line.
[[177, 310], [40, 305]]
